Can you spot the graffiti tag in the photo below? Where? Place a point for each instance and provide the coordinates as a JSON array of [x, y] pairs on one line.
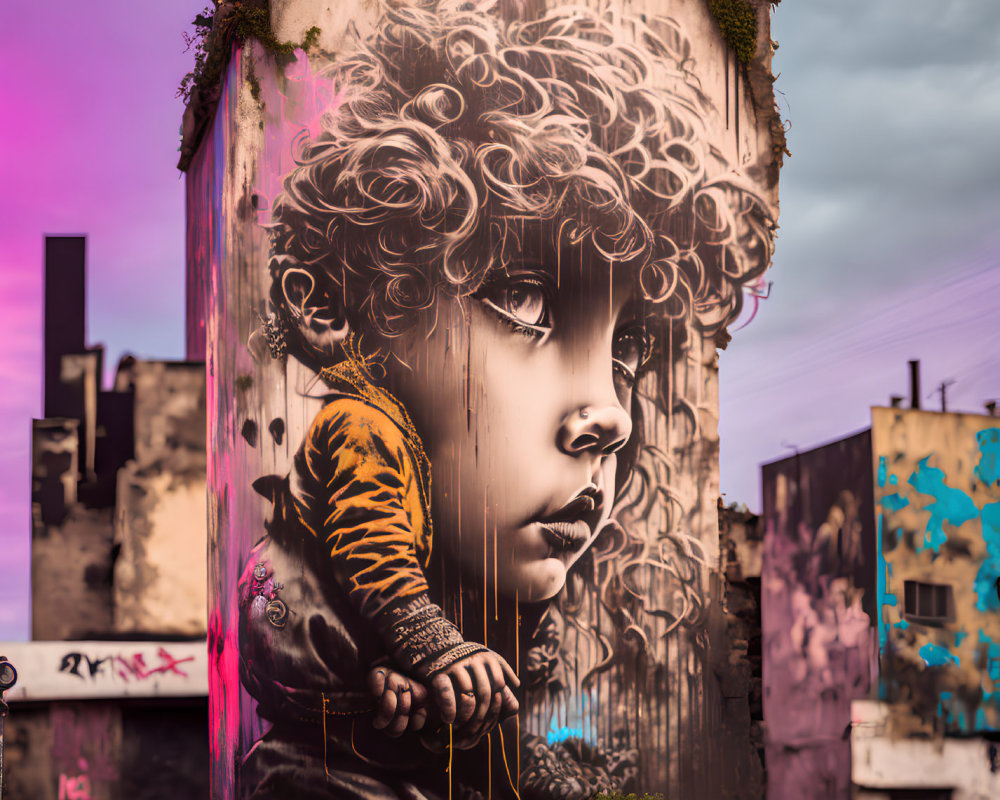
[[135, 667], [75, 787], [127, 667], [71, 663]]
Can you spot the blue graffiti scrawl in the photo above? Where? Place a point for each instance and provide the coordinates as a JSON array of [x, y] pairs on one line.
[[950, 504]]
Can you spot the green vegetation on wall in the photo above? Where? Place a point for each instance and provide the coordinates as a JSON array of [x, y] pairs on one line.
[[217, 28], [738, 21]]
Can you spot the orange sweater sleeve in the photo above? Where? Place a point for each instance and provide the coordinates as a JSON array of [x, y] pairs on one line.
[[356, 488]]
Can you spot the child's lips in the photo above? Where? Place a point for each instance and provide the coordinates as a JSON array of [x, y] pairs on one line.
[[566, 536], [570, 528]]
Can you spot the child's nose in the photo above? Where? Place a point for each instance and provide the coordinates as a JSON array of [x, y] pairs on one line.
[[599, 429]]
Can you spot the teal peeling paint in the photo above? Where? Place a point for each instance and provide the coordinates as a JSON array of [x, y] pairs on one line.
[[989, 571], [881, 471], [894, 502], [992, 656], [988, 469], [902, 625], [960, 637], [881, 597], [893, 480], [950, 504], [943, 698], [936, 656]]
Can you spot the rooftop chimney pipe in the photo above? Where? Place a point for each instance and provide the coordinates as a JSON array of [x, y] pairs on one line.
[[915, 384]]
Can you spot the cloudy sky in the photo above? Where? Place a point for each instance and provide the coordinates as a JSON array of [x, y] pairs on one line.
[[888, 247]]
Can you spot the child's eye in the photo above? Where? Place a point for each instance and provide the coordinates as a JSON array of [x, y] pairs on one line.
[[630, 350], [523, 304]]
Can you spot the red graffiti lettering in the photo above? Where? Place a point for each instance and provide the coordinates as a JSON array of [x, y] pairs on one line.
[[74, 787], [135, 666]]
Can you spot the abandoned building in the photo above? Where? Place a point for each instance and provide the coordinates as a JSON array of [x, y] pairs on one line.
[[880, 612], [112, 694]]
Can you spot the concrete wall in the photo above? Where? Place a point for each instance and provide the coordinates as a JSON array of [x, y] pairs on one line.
[[938, 514], [741, 546], [70, 545], [137, 567], [664, 700], [160, 519], [886, 766], [92, 670], [106, 750], [121, 720]]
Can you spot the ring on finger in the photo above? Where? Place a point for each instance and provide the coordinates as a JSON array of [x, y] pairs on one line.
[[469, 693]]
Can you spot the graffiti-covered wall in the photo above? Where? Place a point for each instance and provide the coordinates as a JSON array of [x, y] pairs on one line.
[[466, 268], [938, 516], [818, 605]]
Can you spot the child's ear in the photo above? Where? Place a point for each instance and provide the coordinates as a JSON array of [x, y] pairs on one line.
[[319, 318]]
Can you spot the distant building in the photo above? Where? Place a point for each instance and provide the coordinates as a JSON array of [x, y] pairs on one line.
[[740, 552], [112, 694], [881, 613]]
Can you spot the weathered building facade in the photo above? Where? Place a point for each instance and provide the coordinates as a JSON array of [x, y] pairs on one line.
[[880, 611], [624, 657], [111, 698]]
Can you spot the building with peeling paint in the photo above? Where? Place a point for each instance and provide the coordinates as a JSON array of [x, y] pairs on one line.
[[881, 611], [111, 696], [937, 497]]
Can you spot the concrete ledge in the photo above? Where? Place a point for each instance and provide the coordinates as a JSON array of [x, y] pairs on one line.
[[75, 670]]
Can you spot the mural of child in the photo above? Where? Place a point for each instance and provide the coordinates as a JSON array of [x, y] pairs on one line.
[[490, 255]]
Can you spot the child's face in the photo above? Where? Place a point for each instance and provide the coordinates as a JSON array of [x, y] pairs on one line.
[[521, 397]]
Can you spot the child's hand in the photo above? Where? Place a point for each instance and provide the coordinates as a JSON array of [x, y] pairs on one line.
[[400, 703], [475, 693]]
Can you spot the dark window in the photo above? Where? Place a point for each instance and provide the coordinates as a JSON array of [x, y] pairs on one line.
[[928, 602]]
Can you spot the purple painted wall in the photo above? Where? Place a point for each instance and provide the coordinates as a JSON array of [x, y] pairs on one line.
[[818, 600]]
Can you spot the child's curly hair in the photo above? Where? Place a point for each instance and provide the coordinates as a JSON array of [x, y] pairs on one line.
[[453, 134]]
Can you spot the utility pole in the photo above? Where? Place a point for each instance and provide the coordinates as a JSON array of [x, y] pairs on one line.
[[943, 389]]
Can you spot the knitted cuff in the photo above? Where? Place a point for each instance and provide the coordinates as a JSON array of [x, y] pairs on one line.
[[423, 641]]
